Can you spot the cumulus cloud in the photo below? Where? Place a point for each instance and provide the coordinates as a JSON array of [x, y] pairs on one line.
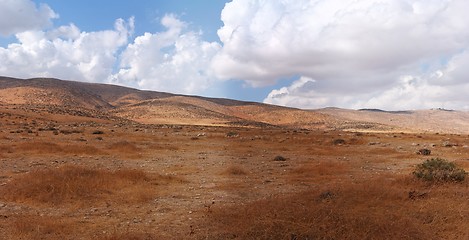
[[349, 53], [390, 54], [65, 52], [175, 60], [23, 15]]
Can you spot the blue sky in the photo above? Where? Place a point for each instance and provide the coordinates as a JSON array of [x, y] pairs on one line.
[[389, 54], [201, 15], [95, 15]]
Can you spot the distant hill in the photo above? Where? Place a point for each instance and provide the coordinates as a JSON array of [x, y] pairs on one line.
[[60, 92], [151, 107], [433, 120], [115, 103]]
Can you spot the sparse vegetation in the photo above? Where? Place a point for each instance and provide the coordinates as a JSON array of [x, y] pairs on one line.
[[439, 170], [71, 184], [339, 213], [70, 131], [236, 170], [124, 147], [96, 132], [232, 134], [76, 185], [280, 158], [36, 227], [424, 151], [338, 141], [54, 148]]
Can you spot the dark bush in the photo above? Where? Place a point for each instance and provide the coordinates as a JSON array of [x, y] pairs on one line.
[[280, 158], [424, 152], [232, 134], [338, 142], [439, 170], [98, 132]]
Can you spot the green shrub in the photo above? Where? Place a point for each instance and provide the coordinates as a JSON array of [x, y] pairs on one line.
[[439, 170]]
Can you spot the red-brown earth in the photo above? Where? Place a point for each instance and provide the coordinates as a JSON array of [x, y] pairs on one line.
[[90, 161]]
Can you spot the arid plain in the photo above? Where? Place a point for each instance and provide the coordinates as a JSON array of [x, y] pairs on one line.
[[90, 161]]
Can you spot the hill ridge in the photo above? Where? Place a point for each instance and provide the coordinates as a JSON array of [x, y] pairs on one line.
[[113, 102], [151, 107]]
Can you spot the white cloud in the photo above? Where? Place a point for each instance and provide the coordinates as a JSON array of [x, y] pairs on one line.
[[390, 54], [357, 52], [301, 93], [175, 60], [65, 52], [23, 15]]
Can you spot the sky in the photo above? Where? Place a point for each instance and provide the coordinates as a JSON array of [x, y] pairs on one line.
[[387, 54]]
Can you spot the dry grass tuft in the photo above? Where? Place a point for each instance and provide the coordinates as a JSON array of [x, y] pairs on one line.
[[376, 209], [320, 169], [53, 148], [74, 184], [70, 131], [36, 227], [129, 236], [40, 147], [235, 170], [124, 147]]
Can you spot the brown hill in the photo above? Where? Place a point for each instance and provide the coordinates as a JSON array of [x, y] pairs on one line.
[[116, 103], [70, 93], [434, 120], [149, 107], [207, 111]]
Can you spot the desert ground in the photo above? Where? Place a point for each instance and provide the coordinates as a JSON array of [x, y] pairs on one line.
[[77, 162]]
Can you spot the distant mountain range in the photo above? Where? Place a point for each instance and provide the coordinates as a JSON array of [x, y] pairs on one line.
[[103, 101]]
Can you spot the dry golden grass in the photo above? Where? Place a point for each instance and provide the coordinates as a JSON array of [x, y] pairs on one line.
[[164, 147], [5, 150], [320, 170], [74, 184], [40, 147], [235, 170], [379, 208], [53, 148], [36, 227], [124, 147], [463, 164], [130, 236], [235, 189]]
